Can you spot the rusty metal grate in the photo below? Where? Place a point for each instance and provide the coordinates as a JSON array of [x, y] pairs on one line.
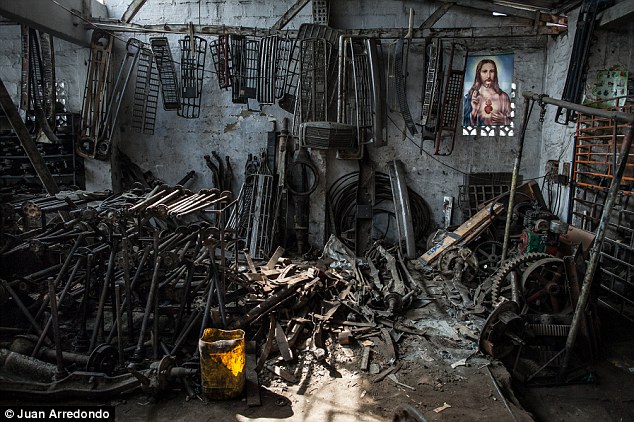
[[597, 143]]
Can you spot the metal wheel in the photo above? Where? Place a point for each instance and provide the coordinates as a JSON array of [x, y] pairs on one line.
[[489, 254], [500, 285], [544, 286], [464, 257]]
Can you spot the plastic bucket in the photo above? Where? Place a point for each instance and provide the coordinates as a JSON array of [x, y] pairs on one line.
[[222, 358]]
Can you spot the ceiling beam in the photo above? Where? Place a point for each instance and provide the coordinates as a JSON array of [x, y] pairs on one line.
[[290, 14], [491, 7], [438, 13], [386, 33], [62, 20], [619, 13], [132, 10]]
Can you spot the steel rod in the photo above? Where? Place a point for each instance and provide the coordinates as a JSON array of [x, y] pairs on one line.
[[516, 171]]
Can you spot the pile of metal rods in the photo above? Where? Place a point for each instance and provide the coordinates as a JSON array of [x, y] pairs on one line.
[[131, 277]]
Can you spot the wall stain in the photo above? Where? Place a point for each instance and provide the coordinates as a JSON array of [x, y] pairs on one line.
[[233, 126]]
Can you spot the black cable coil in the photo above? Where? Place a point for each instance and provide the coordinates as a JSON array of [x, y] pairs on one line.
[[342, 200]]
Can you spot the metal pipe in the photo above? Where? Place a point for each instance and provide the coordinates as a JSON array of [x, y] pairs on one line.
[[619, 116], [516, 171], [40, 340], [595, 252], [102, 298], [61, 371]]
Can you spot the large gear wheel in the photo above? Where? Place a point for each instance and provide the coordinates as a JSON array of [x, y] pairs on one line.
[[544, 286], [498, 280]]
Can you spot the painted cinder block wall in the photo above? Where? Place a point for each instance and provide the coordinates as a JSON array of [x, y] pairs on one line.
[[233, 129], [179, 144]]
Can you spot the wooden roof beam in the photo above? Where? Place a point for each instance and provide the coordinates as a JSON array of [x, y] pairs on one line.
[[438, 13], [62, 19], [132, 10], [290, 14]]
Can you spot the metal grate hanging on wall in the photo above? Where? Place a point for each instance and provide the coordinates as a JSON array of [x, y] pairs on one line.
[[167, 72], [267, 70], [146, 93], [450, 107], [433, 82], [313, 82], [193, 53], [244, 58], [221, 56], [288, 94]]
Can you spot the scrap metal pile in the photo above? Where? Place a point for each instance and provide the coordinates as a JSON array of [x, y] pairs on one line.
[[530, 298], [102, 294], [119, 288]]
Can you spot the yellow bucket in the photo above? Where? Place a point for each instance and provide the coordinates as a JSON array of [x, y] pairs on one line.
[[222, 358]]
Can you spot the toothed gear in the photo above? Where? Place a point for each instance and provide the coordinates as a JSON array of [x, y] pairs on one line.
[[497, 279]]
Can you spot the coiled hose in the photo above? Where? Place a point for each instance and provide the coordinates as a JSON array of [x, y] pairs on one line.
[[342, 200]]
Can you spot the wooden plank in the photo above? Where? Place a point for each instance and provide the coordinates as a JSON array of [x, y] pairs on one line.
[[504, 31], [282, 343], [491, 7], [283, 373], [622, 12], [250, 262], [389, 346], [271, 274], [49, 17], [392, 369], [479, 221], [267, 346], [253, 386], [365, 360], [276, 255]]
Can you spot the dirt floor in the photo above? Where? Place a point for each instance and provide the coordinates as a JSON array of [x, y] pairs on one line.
[[440, 374]]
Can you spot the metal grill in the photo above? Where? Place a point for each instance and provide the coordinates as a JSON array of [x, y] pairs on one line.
[[400, 71], [480, 188], [221, 56], [244, 58], [268, 65], [355, 90], [291, 81], [325, 135], [284, 49], [167, 72], [430, 96], [146, 93], [596, 144], [193, 52], [313, 86], [253, 219], [26, 54], [446, 132]]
